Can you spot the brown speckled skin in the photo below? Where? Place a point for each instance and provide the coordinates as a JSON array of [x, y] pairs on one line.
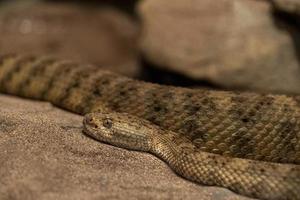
[[243, 125]]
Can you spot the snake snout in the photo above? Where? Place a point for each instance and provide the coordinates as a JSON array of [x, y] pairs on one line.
[[90, 121]]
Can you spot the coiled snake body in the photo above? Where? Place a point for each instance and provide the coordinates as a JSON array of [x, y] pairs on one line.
[[246, 142]]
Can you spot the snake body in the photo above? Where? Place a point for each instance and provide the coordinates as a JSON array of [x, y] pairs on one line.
[[260, 179], [247, 142]]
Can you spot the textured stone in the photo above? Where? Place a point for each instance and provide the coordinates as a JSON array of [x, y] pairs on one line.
[[45, 155], [100, 35], [233, 43]]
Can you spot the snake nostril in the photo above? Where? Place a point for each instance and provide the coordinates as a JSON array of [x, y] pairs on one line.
[[89, 120]]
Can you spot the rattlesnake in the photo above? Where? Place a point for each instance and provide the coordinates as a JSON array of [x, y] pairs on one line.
[[246, 142]]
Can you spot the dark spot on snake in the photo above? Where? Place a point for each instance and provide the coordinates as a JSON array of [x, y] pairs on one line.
[[236, 113], [236, 186], [157, 108], [297, 99], [210, 156], [192, 109], [127, 88], [287, 134], [205, 101], [105, 82], [238, 99], [95, 126], [168, 95], [240, 114], [286, 108], [89, 72], [97, 92], [132, 88], [243, 141], [288, 130], [243, 144], [291, 147], [284, 178], [198, 134], [123, 93], [199, 138], [189, 127], [248, 149], [76, 84], [266, 100], [115, 106], [209, 103], [153, 119], [66, 70], [251, 113], [257, 107], [188, 95], [245, 120]]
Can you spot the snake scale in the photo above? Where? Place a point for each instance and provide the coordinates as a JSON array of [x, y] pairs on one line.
[[246, 142]]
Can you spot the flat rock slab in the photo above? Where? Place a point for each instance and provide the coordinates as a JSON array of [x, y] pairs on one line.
[[232, 43], [45, 155], [100, 35]]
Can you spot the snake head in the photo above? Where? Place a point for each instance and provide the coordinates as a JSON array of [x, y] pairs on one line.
[[118, 129]]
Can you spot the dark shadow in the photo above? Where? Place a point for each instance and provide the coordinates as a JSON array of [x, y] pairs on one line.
[[127, 6], [159, 74], [291, 24]]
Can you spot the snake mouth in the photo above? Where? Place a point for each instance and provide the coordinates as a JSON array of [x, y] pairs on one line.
[[85, 129], [88, 123], [89, 130]]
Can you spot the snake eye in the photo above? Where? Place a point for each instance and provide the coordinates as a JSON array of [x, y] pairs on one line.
[[107, 123]]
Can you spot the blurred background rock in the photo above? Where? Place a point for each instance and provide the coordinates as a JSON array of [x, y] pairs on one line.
[[238, 44], [102, 35], [224, 44]]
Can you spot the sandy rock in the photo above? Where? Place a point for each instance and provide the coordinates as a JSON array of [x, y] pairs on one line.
[[100, 35], [233, 43], [291, 6], [44, 155]]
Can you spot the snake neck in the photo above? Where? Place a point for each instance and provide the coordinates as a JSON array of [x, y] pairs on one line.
[[165, 148]]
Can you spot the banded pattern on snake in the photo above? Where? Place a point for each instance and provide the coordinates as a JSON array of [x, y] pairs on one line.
[[246, 142]]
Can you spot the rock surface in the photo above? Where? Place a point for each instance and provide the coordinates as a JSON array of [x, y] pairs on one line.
[[45, 155], [103, 36], [291, 6], [233, 43]]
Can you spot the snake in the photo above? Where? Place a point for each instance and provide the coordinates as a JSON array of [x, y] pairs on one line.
[[243, 141]]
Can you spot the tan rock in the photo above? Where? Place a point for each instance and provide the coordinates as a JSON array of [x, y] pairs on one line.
[[291, 6], [234, 43], [45, 155], [100, 35]]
